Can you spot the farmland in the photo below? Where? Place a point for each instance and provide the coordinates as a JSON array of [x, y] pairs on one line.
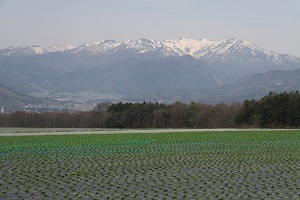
[[223, 164]]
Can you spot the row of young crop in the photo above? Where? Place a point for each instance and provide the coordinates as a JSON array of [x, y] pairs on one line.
[[183, 166]]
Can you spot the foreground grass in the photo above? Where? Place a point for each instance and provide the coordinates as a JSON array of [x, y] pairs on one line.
[[217, 165]]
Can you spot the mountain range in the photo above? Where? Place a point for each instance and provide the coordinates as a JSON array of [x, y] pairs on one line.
[[188, 69]]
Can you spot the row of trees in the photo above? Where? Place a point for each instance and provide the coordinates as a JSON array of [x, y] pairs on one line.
[[131, 115], [273, 110], [177, 115]]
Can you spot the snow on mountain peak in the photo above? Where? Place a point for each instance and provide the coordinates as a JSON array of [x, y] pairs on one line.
[[96, 47], [189, 46], [34, 50], [207, 50], [224, 50], [142, 44]]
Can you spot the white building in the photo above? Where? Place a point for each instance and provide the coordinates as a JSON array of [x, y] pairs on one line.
[[2, 109]]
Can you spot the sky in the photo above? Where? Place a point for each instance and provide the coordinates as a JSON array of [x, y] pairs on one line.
[[271, 24]]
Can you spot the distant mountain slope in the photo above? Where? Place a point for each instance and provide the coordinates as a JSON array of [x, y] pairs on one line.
[[255, 86], [131, 77], [10, 98], [277, 81], [23, 74]]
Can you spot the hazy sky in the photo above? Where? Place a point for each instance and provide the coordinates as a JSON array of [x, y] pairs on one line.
[[271, 24]]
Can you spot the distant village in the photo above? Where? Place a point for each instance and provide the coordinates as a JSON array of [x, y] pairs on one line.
[[35, 108], [53, 107], [63, 102]]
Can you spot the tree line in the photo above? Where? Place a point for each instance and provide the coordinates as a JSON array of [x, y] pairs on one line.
[[273, 110]]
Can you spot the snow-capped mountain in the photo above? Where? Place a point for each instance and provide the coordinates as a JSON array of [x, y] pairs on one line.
[[230, 59], [210, 51], [144, 46], [141, 44], [226, 51], [184, 46], [95, 47], [34, 50]]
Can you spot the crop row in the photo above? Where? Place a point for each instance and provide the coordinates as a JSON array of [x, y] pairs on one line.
[[207, 165]]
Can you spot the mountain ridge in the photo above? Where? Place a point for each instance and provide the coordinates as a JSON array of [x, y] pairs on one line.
[[239, 57], [198, 48]]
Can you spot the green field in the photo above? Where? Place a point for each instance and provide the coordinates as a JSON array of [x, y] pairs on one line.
[[195, 165]]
